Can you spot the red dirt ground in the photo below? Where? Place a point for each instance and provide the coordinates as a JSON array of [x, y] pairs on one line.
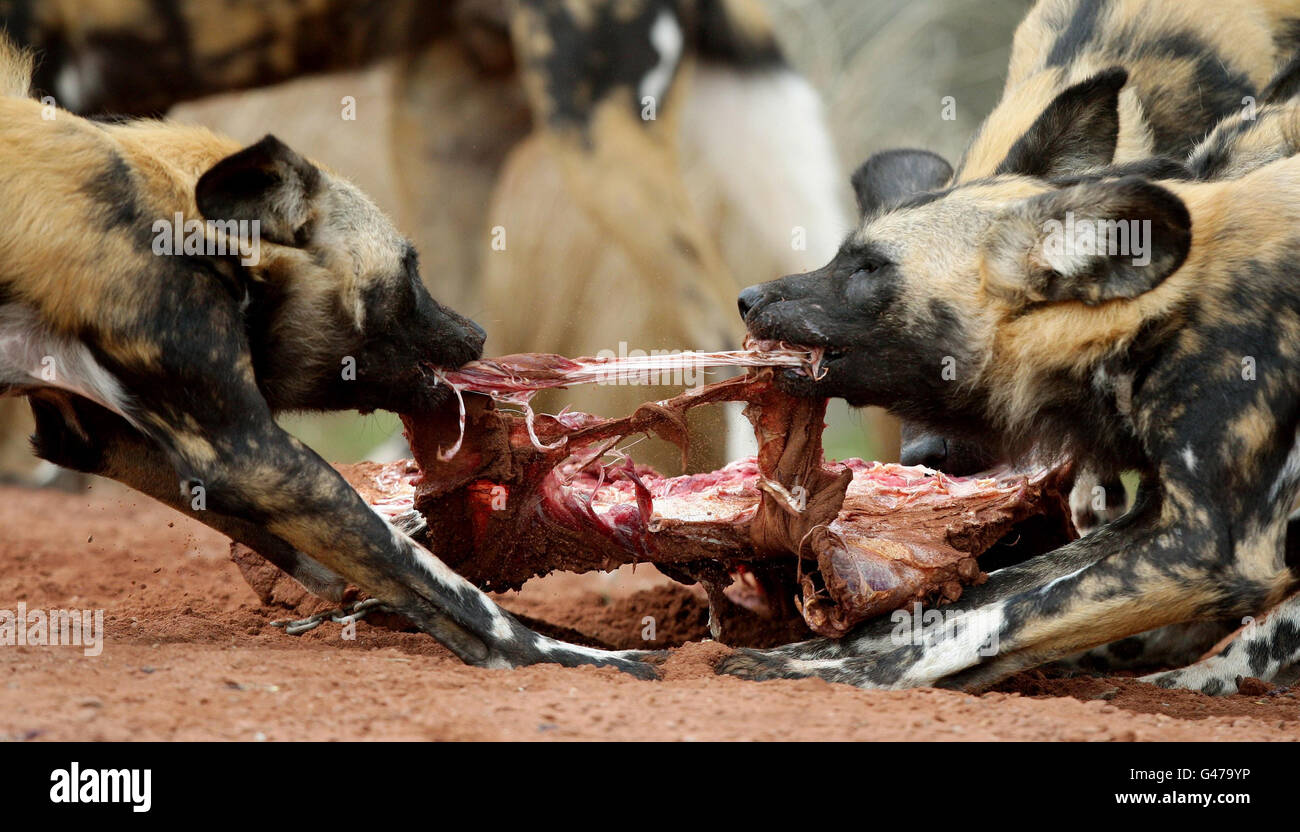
[[189, 654]]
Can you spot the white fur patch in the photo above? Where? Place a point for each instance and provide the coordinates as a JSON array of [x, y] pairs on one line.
[[441, 573], [1067, 262], [551, 647], [34, 356], [666, 38], [1290, 473], [78, 83], [1047, 587], [760, 142], [979, 628]]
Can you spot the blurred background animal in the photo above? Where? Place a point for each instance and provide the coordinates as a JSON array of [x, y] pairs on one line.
[[533, 217]]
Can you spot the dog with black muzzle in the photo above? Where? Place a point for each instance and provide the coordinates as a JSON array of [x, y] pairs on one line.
[[1120, 320], [164, 292], [1090, 86]]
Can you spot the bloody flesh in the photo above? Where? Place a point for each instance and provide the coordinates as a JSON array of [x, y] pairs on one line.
[[825, 545]]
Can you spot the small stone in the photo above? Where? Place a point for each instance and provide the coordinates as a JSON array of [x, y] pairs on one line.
[[1251, 686]]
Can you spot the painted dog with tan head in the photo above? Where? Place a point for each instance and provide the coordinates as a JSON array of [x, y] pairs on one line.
[[164, 292], [1120, 318], [1187, 65]]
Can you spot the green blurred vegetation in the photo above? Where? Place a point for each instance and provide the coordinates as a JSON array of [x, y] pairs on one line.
[[342, 437], [846, 434]]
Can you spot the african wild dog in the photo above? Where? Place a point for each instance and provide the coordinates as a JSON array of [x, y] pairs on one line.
[[164, 372], [1189, 64], [1174, 52], [1183, 363], [1240, 144]]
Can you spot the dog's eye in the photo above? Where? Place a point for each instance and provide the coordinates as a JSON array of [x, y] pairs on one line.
[[868, 268]]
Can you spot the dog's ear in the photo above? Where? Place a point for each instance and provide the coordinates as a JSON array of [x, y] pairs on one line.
[[267, 182], [1077, 132], [891, 176], [1093, 242]]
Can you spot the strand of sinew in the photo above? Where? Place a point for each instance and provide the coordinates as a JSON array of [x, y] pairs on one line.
[[498, 378], [613, 369]]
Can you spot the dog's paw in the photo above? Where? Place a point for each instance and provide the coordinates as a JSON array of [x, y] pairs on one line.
[[1197, 677], [645, 668], [643, 664], [654, 657]]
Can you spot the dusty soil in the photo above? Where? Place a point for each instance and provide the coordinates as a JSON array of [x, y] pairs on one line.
[[189, 654]]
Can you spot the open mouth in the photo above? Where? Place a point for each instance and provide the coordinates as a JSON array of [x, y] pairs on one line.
[[819, 357], [503, 494]]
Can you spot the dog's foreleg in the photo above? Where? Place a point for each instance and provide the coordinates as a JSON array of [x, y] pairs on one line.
[[898, 652], [112, 448], [1147, 571], [253, 470]]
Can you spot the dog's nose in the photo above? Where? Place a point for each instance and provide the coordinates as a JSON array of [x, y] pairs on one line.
[[927, 449], [480, 334], [748, 299]]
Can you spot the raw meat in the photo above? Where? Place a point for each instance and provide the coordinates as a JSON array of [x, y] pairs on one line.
[[822, 544]]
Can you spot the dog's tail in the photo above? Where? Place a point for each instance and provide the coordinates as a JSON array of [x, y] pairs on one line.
[[15, 68]]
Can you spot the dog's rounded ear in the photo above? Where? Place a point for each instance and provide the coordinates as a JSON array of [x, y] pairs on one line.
[[891, 176], [1077, 132], [1093, 242], [267, 182]]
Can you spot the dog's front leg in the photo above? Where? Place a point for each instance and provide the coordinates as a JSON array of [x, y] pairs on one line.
[[253, 470], [80, 435], [261, 503]]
